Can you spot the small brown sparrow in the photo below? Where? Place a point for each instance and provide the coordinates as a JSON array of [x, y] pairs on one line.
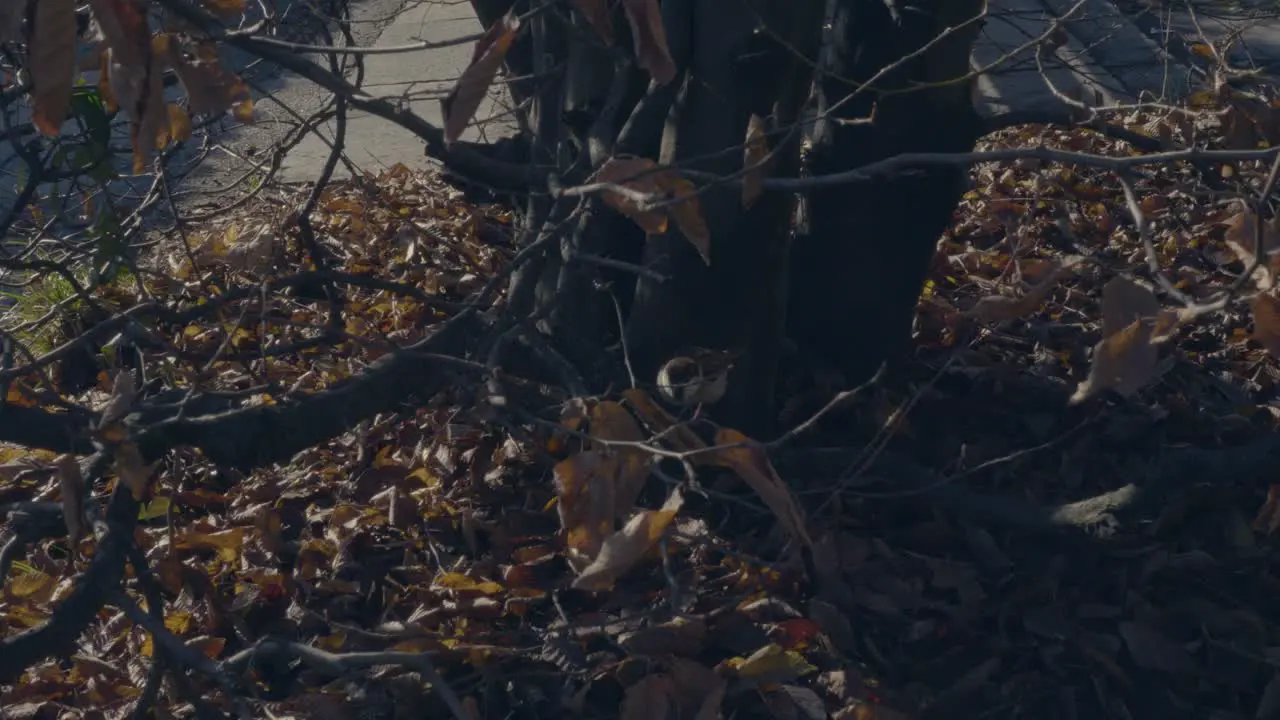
[[699, 378]]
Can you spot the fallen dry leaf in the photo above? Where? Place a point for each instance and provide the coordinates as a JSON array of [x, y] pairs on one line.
[[624, 548], [585, 487], [771, 664], [650, 39], [628, 466], [1124, 301], [131, 469], [750, 462], [52, 63], [473, 85], [652, 698], [1124, 362], [699, 690], [1242, 237], [998, 308], [71, 487], [123, 391], [1266, 322]]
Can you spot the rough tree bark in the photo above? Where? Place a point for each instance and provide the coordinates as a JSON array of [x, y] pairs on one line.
[[857, 275], [846, 291]]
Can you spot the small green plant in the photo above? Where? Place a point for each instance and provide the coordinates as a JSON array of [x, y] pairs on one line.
[[33, 302]]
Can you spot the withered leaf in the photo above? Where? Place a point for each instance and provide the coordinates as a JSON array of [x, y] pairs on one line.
[[611, 422], [1266, 322], [624, 548], [52, 62], [998, 308], [643, 182], [755, 154], [751, 463], [473, 85], [1124, 301], [650, 39], [584, 484], [71, 487], [211, 88], [652, 698]]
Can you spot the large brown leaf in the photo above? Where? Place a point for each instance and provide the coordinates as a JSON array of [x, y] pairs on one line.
[[472, 86], [640, 176], [211, 88], [650, 39], [52, 62], [135, 74]]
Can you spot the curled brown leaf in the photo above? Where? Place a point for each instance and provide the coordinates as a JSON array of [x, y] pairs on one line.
[[473, 85], [650, 39], [52, 63]]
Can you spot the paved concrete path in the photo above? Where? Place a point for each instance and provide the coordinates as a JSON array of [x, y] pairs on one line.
[[420, 79]]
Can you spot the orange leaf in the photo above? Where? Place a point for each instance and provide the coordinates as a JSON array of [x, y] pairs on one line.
[[52, 63], [472, 86], [650, 39]]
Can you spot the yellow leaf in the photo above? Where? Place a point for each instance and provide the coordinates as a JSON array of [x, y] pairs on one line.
[[458, 581], [34, 587], [228, 543], [52, 62], [157, 508], [771, 664]]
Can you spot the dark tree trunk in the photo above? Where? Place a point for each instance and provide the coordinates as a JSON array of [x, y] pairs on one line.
[[857, 275], [846, 291]]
